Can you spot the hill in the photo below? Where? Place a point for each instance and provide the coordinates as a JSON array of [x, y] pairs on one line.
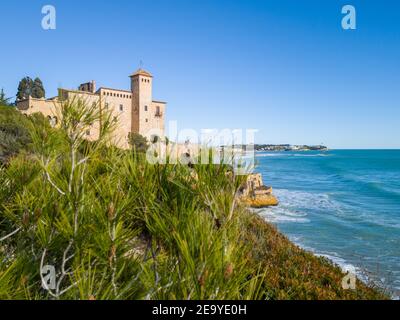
[[105, 224]]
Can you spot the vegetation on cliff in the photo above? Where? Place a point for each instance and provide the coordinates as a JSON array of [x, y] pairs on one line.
[[113, 226]]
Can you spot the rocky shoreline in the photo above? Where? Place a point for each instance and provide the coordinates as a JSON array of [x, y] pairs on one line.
[[255, 194]]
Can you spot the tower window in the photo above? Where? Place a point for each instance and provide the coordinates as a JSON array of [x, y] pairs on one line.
[[106, 105], [147, 120], [121, 107], [158, 112], [145, 108], [88, 132]]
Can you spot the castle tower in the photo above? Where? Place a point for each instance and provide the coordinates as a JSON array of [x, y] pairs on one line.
[[146, 113]]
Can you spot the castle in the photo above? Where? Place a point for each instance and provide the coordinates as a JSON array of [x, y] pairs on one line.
[[134, 110]]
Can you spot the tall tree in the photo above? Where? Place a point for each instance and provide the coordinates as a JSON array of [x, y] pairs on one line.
[[4, 101], [28, 87], [24, 88], [38, 89]]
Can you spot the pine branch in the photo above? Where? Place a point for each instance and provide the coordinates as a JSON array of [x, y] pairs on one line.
[[10, 234]]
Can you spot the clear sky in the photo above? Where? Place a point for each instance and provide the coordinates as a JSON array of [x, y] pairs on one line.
[[286, 68]]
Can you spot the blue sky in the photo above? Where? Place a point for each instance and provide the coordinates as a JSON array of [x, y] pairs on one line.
[[286, 68]]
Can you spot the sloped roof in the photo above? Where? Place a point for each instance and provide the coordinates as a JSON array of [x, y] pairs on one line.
[[141, 72]]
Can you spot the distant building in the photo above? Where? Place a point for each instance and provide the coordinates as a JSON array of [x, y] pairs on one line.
[[134, 110]]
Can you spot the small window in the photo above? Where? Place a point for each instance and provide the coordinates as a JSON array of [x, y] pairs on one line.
[[145, 108], [147, 120], [121, 107], [88, 132], [106, 105]]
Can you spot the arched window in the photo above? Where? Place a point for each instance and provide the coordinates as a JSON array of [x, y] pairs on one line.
[[145, 108]]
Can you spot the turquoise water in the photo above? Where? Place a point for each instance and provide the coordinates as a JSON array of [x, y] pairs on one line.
[[342, 204]]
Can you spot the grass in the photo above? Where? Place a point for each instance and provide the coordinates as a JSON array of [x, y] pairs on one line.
[[114, 226]]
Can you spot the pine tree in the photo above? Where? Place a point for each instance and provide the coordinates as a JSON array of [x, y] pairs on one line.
[[28, 87], [24, 88], [38, 89], [3, 100]]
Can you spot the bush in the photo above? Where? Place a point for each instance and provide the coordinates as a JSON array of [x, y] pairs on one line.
[[138, 142], [114, 226]]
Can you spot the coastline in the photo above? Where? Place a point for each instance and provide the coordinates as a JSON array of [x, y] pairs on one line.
[[338, 206], [337, 261], [293, 271]]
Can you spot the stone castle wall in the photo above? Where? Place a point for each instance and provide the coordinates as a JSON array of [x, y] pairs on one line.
[[133, 111]]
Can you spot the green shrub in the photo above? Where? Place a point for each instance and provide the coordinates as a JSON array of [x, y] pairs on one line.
[[116, 227]]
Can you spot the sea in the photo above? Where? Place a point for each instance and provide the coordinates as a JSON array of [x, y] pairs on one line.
[[340, 204]]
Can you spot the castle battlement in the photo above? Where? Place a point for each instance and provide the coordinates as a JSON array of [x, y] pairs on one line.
[[134, 110]]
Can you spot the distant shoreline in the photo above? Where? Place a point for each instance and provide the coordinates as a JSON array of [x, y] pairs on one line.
[[289, 147]]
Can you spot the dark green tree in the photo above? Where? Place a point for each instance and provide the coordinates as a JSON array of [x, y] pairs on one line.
[[38, 89], [138, 142], [28, 87], [24, 88], [3, 100]]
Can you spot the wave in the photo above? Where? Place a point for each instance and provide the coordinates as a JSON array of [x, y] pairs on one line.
[[303, 200], [312, 155], [270, 155], [304, 203], [280, 215], [288, 155]]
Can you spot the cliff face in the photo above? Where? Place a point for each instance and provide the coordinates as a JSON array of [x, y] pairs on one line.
[[255, 194]]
